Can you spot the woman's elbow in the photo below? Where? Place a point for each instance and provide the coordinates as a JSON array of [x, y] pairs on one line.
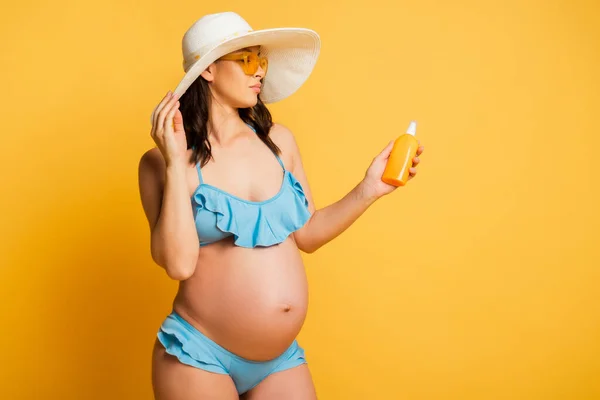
[[304, 245], [180, 273], [178, 268], [308, 250]]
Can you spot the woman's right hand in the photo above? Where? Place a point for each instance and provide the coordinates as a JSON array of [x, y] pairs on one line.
[[167, 130]]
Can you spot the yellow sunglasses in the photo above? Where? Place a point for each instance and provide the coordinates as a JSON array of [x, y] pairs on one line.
[[249, 61]]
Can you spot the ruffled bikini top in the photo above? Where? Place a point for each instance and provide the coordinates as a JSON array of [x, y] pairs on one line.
[[219, 214]]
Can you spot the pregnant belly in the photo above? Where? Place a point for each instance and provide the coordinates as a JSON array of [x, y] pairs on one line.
[[252, 302]]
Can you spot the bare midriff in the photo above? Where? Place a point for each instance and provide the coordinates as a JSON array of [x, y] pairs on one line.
[[252, 302]]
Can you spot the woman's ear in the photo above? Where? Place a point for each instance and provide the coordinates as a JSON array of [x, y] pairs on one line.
[[209, 73]]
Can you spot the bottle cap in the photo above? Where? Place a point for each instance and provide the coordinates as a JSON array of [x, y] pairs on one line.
[[412, 128]]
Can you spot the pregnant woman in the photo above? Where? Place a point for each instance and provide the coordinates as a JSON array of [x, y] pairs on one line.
[[230, 209]]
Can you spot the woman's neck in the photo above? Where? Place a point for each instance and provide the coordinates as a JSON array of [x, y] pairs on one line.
[[224, 122]]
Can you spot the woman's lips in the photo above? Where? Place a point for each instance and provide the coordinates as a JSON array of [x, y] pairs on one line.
[[256, 88]]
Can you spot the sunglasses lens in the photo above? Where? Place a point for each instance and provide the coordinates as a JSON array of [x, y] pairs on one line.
[[251, 64], [264, 63], [257, 61]]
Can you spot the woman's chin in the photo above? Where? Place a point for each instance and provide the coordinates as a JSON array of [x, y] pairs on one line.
[[248, 103], [252, 101]]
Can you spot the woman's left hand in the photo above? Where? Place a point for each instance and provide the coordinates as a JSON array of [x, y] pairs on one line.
[[373, 186]]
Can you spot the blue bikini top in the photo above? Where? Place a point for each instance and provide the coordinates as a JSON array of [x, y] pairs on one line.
[[219, 214]]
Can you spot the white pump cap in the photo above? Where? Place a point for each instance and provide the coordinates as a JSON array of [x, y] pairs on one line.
[[412, 128]]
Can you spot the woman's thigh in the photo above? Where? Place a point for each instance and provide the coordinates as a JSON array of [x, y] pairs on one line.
[[172, 380], [291, 384]]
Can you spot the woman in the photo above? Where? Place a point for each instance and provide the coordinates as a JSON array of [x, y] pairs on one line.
[[229, 208]]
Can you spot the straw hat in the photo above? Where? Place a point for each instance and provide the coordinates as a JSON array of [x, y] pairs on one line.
[[292, 52]]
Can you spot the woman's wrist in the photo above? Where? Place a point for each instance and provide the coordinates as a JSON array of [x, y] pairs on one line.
[[366, 193]]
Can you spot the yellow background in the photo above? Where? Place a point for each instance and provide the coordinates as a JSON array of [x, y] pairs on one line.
[[479, 280]]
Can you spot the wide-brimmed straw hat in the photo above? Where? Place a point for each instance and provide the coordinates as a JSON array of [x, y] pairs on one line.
[[292, 52]]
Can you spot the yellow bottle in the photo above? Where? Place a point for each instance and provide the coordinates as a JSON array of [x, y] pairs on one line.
[[400, 160]]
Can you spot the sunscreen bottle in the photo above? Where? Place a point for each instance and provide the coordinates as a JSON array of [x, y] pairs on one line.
[[401, 158]]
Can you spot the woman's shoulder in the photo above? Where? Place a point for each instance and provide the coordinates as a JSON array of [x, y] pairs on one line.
[[283, 137], [151, 168], [152, 159]]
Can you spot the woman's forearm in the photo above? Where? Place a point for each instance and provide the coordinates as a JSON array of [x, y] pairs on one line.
[[327, 223]]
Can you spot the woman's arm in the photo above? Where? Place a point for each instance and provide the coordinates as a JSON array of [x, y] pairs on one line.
[[166, 201], [329, 222]]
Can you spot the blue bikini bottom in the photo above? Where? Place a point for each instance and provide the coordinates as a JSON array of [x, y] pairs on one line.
[[191, 347]]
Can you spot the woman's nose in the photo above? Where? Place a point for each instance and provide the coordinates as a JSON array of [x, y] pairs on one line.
[[260, 73]]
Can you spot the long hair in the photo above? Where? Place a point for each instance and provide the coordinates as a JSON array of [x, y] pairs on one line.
[[195, 105]]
